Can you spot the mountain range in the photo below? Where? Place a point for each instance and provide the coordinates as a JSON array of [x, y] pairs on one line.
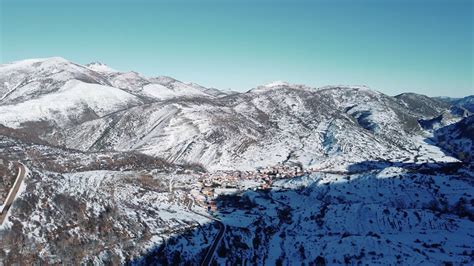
[[96, 108], [112, 158]]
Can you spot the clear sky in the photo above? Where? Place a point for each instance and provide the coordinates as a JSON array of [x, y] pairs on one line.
[[394, 46]]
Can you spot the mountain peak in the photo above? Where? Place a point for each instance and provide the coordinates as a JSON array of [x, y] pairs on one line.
[[353, 87], [277, 83], [100, 67], [56, 60]]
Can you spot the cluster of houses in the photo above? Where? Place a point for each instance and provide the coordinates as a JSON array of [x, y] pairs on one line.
[[210, 186], [281, 171]]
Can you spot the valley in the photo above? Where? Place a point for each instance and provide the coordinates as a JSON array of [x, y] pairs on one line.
[[120, 168]]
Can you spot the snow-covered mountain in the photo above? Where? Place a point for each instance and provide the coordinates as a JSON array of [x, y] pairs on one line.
[[460, 106], [423, 104], [95, 108], [29, 79], [123, 168], [458, 139]]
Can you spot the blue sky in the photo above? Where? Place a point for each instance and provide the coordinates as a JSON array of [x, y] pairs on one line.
[[393, 46]]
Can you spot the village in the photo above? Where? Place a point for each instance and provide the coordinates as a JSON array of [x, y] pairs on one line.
[[212, 185]]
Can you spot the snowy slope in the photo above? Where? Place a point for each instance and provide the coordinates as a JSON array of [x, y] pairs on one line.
[[457, 139], [28, 79], [114, 158], [462, 106], [184, 122], [319, 128], [422, 104], [100, 67], [72, 103]]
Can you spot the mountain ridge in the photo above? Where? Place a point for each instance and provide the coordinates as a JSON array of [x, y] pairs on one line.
[[128, 169], [220, 130]]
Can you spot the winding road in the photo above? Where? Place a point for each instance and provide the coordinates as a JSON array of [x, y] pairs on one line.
[[212, 249], [13, 192]]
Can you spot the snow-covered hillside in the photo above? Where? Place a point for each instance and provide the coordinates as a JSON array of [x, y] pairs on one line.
[[187, 123], [390, 216], [125, 168], [457, 139], [74, 102], [318, 128]]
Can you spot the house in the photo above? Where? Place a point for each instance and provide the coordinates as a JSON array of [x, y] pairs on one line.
[[212, 206], [208, 191]]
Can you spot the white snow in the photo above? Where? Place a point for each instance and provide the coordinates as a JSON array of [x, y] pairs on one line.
[[180, 90], [277, 83], [72, 100], [100, 67]]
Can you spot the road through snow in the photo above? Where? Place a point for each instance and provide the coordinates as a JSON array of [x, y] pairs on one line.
[[212, 249], [13, 192]]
